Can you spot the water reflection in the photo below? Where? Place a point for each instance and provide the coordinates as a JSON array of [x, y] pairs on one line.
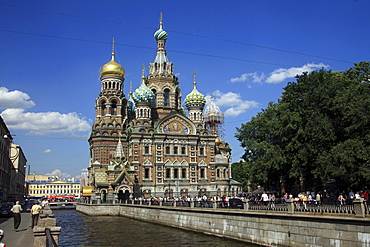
[[103, 231]]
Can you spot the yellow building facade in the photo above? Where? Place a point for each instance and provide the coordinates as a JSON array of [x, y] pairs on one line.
[[54, 188]]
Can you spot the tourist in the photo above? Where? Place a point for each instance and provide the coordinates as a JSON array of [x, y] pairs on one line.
[[1, 238], [264, 199], [35, 212], [16, 210], [310, 198], [44, 203], [357, 195], [366, 196], [351, 196], [318, 199], [341, 200], [272, 201], [304, 200], [290, 196], [285, 197]]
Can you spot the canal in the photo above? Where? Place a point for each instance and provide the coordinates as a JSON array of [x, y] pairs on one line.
[[82, 230]]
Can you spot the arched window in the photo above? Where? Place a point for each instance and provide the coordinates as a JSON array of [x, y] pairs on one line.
[[177, 100], [155, 97], [113, 107], [166, 97], [103, 108]]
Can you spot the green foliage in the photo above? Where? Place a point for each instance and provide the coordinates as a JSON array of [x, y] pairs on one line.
[[316, 132]]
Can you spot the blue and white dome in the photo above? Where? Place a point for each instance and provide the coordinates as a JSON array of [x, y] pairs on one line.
[[143, 94], [195, 98], [160, 34]]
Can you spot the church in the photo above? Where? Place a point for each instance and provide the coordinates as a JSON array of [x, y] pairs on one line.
[[151, 143]]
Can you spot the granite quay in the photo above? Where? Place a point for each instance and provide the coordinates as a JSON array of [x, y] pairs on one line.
[[261, 226], [26, 236]]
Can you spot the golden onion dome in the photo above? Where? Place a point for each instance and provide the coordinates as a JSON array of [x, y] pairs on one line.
[[217, 141], [112, 68]]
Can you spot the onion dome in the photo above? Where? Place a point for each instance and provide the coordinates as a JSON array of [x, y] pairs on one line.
[[143, 94], [217, 141], [112, 68], [160, 34], [212, 113], [195, 98]]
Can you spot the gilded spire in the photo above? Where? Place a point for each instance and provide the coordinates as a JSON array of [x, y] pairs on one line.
[[195, 78], [160, 21]]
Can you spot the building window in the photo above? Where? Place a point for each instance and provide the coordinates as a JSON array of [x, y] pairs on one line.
[[175, 150], [167, 150], [113, 107], [168, 173], [155, 97], [183, 150], [201, 151], [146, 149], [202, 173], [176, 173], [183, 173], [146, 171], [166, 97]]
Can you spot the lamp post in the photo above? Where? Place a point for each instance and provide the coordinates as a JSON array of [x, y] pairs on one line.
[[29, 168]]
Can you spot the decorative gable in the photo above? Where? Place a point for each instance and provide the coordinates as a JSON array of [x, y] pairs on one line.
[[176, 124]]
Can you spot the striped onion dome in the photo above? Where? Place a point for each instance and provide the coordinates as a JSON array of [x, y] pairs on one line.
[[195, 98], [160, 34], [143, 94]]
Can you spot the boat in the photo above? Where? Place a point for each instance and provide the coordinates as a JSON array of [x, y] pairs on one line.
[[62, 205], [62, 202]]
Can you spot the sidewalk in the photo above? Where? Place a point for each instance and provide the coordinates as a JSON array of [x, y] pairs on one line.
[[22, 238]]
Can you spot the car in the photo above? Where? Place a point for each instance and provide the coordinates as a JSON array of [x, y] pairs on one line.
[[236, 203], [5, 209]]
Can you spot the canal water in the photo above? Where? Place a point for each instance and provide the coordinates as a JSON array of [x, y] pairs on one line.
[[81, 230]]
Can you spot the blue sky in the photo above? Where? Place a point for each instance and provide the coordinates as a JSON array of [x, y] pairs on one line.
[[244, 53]]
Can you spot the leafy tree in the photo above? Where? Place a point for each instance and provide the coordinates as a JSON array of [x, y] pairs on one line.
[[316, 132]]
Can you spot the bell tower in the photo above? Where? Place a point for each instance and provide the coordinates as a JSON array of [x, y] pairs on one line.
[[110, 112], [161, 79]]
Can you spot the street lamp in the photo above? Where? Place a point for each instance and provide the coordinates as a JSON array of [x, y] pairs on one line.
[[29, 168]]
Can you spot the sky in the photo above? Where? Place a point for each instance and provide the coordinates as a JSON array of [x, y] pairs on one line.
[[244, 53]]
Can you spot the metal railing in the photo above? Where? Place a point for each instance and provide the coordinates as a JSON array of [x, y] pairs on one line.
[[50, 241], [323, 207]]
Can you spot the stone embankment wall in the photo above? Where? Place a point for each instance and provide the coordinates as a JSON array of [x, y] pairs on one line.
[[263, 228]]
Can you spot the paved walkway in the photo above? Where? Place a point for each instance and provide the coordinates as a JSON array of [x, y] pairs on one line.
[[22, 238]]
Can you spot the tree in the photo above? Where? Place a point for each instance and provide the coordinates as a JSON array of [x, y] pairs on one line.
[[316, 132]]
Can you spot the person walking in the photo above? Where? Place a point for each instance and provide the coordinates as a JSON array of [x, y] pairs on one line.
[[35, 212], [16, 210]]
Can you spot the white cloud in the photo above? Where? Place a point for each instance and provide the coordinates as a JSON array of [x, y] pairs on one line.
[[14, 99], [233, 102], [254, 77], [40, 123], [59, 174], [47, 151], [281, 74], [44, 122]]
